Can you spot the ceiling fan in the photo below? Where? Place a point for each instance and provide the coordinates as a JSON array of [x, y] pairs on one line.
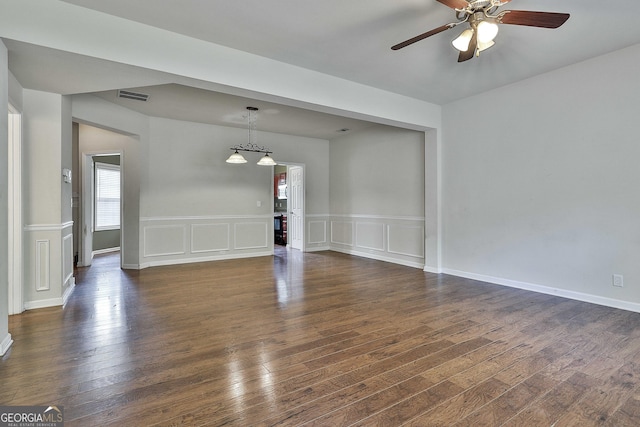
[[483, 18]]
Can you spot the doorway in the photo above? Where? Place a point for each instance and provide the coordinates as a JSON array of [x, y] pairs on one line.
[[289, 215], [101, 206], [295, 182]]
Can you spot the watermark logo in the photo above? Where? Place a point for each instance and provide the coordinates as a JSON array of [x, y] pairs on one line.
[[31, 416]]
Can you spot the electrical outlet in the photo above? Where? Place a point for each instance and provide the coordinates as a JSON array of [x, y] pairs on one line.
[[618, 280]]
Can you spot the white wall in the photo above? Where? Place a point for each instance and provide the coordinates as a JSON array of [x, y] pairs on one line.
[[5, 337], [542, 192], [377, 194]]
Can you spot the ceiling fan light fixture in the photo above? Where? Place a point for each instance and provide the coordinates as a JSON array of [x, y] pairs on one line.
[[485, 46], [462, 41], [487, 30]]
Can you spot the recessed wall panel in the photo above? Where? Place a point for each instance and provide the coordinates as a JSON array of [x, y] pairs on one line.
[[161, 240], [342, 232], [370, 236], [317, 232], [67, 258], [250, 235], [405, 240], [209, 237], [42, 265]]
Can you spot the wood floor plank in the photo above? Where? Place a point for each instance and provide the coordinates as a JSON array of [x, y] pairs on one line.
[[319, 339]]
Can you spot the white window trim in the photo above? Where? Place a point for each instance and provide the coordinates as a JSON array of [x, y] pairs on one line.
[[100, 165]]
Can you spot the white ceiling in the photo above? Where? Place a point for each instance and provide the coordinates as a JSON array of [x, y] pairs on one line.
[[347, 39]]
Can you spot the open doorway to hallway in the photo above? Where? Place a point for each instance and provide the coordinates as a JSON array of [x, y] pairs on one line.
[[98, 191], [289, 216]]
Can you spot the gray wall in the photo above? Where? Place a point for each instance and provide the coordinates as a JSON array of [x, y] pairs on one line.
[[545, 192], [4, 238], [195, 206], [378, 171], [377, 195], [48, 238], [132, 131]]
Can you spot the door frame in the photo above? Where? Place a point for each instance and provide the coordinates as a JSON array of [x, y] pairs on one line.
[[289, 165], [304, 210], [86, 205], [15, 223]]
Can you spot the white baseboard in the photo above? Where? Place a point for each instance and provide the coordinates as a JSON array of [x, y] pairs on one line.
[[104, 251], [434, 270], [5, 344], [318, 249], [44, 303], [202, 259], [579, 296], [68, 291], [380, 258]]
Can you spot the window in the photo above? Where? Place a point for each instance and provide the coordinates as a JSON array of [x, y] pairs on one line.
[[107, 212]]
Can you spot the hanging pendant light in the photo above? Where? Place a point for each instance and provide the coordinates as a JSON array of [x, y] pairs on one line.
[[251, 145], [236, 158], [266, 160]]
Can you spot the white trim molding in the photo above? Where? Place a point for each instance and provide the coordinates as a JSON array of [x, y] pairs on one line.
[[68, 291], [42, 265], [579, 296], [5, 344], [48, 227], [187, 239], [105, 251], [43, 303], [395, 239]]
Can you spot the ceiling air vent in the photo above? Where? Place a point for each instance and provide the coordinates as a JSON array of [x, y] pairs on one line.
[[133, 95]]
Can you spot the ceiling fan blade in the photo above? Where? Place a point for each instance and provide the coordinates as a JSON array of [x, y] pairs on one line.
[[471, 50], [533, 19], [455, 4], [422, 36]]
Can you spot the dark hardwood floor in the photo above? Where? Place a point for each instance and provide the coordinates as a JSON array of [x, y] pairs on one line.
[[320, 339]]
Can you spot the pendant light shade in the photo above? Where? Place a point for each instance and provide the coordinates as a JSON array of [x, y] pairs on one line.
[[236, 158], [266, 160]]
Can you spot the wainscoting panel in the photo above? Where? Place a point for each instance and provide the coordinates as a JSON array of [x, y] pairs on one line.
[[182, 240], [393, 239], [43, 266], [406, 240], [251, 235], [67, 258], [48, 265], [370, 235], [317, 232], [210, 238], [163, 240], [342, 232]]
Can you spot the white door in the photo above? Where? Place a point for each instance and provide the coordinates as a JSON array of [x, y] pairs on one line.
[[295, 222], [86, 232]]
